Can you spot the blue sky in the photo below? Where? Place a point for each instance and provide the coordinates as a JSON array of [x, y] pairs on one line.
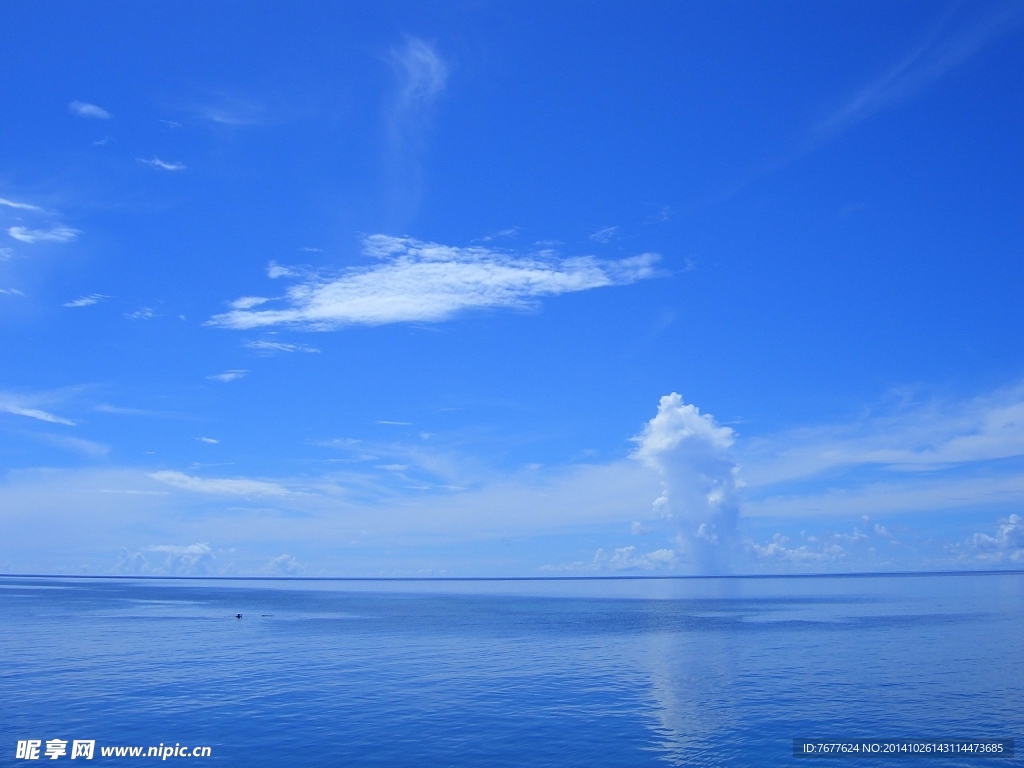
[[511, 289]]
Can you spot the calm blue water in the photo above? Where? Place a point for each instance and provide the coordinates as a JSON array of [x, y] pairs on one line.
[[696, 672]]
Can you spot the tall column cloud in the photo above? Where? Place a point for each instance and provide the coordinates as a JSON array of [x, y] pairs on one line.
[[700, 480]]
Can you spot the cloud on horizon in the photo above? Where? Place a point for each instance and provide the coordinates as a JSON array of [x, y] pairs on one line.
[[699, 478], [428, 282]]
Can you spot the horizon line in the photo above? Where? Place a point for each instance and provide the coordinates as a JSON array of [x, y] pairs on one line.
[[624, 577]]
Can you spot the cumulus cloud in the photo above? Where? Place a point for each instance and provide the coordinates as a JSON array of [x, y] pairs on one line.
[[86, 301], [778, 549], [699, 479], [220, 487], [180, 560], [20, 206], [284, 565], [163, 165], [621, 559], [228, 375], [1006, 545], [84, 109], [417, 281], [57, 234]]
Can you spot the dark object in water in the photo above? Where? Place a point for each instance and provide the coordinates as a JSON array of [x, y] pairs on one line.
[[238, 615]]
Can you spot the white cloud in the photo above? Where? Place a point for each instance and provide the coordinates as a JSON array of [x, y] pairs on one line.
[[10, 292], [604, 235], [417, 281], [76, 444], [394, 423], [881, 530], [248, 302], [84, 109], [208, 440], [193, 558], [778, 549], [621, 559], [1007, 544], [57, 234], [33, 413], [86, 301], [422, 73], [699, 479], [222, 487], [5, 254], [233, 111], [284, 565], [19, 206], [937, 55], [144, 313], [930, 436], [156, 162], [626, 558], [275, 271], [909, 495], [228, 375], [270, 347], [638, 529]]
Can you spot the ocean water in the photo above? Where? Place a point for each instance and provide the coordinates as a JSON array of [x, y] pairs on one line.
[[708, 672]]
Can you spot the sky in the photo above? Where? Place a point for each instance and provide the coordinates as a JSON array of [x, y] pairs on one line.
[[511, 289]]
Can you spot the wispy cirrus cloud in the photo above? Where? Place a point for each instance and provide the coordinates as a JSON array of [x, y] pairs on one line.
[[227, 376], [940, 52], [419, 281], [85, 109], [19, 206], [271, 347], [220, 486], [422, 75], [927, 436], [86, 301], [233, 111], [56, 234], [163, 165], [19, 407], [79, 445]]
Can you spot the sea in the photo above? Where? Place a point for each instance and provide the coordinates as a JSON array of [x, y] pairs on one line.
[[584, 672]]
